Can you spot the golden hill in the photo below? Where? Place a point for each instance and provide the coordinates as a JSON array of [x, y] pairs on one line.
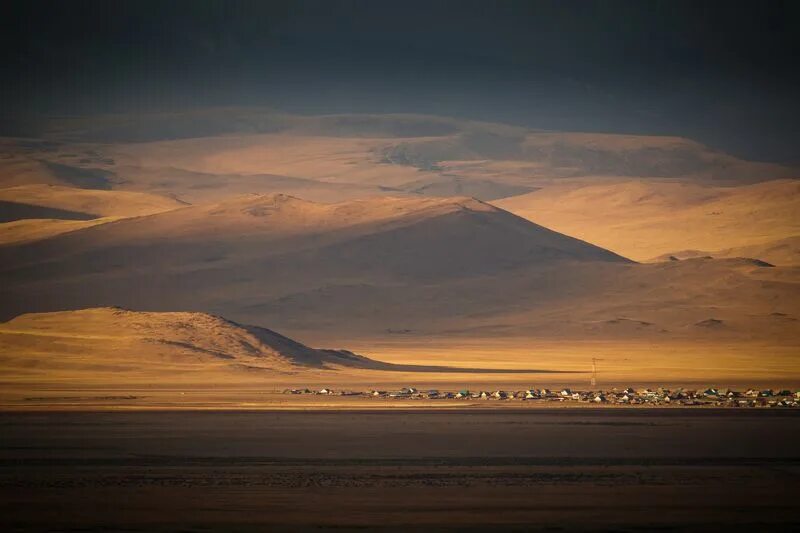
[[33, 212], [375, 267], [645, 219], [207, 155], [779, 252], [102, 341], [111, 345], [92, 203], [35, 229]]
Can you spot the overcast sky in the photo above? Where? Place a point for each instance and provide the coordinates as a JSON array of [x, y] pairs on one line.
[[720, 72]]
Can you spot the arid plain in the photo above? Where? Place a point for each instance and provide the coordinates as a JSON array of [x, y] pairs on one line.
[[465, 470]]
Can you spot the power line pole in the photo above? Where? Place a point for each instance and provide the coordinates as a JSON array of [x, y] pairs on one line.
[[593, 382]]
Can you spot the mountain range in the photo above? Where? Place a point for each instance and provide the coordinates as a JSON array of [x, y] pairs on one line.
[[359, 229]]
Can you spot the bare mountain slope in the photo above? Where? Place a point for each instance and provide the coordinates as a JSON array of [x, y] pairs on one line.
[[35, 229], [378, 266], [113, 345], [207, 155], [241, 254], [644, 219], [279, 224], [114, 339], [778, 252], [33, 212], [88, 202]]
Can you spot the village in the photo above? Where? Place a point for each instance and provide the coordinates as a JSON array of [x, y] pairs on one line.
[[710, 397]]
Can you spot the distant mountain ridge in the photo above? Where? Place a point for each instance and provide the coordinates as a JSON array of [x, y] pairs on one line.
[[208, 154], [454, 266], [275, 245]]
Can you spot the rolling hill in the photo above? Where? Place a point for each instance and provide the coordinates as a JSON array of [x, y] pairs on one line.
[[35, 229], [84, 203], [207, 155], [779, 252], [645, 219], [33, 212], [113, 345], [245, 253], [374, 267], [101, 341]]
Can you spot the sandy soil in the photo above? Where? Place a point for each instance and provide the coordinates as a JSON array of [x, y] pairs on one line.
[[570, 470]]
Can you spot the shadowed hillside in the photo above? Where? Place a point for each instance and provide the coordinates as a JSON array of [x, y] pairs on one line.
[[453, 266], [33, 212], [251, 250], [113, 344], [88, 203]]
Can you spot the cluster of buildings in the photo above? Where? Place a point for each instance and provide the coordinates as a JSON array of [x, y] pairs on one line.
[[628, 396]]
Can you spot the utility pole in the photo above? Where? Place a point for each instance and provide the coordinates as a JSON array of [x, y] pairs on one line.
[[593, 382]]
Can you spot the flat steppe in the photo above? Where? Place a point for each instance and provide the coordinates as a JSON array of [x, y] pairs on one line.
[[584, 470]]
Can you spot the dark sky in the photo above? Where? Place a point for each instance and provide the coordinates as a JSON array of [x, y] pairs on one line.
[[720, 72]]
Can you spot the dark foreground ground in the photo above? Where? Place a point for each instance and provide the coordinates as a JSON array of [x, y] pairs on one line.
[[584, 469]]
